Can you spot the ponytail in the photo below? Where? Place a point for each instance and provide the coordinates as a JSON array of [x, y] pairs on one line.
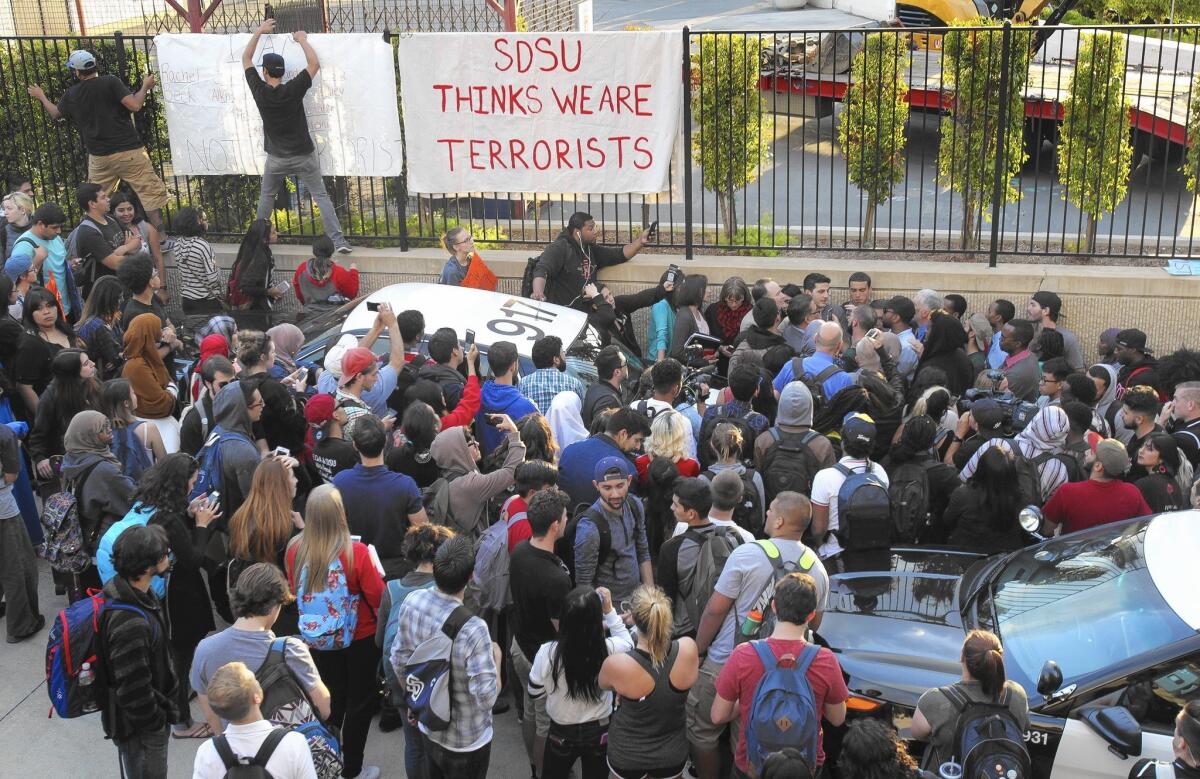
[[655, 622], [984, 659], [726, 441]]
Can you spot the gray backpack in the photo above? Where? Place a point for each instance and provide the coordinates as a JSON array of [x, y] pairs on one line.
[[491, 561], [697, 586]]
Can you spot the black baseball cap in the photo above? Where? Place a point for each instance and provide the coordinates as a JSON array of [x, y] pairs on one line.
[[1132, 338], [273, 64]]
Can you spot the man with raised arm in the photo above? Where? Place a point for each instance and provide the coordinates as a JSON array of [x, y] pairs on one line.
[[290, 149]]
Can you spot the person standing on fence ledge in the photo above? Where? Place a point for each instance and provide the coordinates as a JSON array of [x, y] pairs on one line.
[[290, 149], [571, 261], [99, 107]]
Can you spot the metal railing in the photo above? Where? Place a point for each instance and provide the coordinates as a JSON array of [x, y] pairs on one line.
[[805, 183]]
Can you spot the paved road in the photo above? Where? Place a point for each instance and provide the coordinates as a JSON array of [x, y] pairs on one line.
[[34, 746]]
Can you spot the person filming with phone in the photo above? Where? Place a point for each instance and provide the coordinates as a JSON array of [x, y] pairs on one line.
[[571, 261]]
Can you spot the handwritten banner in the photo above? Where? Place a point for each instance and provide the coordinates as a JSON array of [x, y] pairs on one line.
[[214, 125], [541, 112]]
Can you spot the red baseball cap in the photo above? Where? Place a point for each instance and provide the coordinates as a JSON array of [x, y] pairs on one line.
[[354, 362], [319, 409]]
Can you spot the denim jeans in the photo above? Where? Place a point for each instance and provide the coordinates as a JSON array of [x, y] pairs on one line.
[[307, 168], [586, 742], [414, 749], [441, 763], [144, 755]]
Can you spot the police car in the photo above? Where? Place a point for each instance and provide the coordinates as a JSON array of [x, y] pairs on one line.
[[492, 316], [1100, 627]]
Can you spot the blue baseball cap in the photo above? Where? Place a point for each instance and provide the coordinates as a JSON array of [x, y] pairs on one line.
[[81, 60], [610, 467], [859, 427], [16, 267]]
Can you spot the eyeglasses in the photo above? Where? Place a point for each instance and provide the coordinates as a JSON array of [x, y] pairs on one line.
[[256, 404], [468, 239], [1045, 380]]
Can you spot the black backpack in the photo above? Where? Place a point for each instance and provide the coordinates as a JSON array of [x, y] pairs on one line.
[[789, 464], [704, 452], [864, 511], [908, 489], [816, 383], [1075, 471], [527, 277], [405, 378], [749, 514], [249, 767], [1028, 477], [988, 741], [564, 547]]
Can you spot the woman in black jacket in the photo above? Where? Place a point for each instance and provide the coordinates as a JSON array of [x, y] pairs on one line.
[[1163, 486], [73, 389], [252, 290], [983, 513], [283, 422], [612, 315], [944, 349], [165, 488]]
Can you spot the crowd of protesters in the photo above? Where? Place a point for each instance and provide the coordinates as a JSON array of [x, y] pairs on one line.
[[629, 559]]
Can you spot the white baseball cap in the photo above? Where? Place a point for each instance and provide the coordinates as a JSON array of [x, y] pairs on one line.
[[333, 357], [81, 60]]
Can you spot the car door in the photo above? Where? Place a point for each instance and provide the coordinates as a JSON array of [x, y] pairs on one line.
[[1154, 697]]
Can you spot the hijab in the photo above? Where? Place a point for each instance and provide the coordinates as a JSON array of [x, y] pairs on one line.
[[220, 324], [212, 345], [1046, 432], [141, 342], [287, 339], [83, 434], [565, 420]]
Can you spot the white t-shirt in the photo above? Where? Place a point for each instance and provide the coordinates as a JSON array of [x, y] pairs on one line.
[[290, 760], [825, 488], [561, 707], [747, 536]]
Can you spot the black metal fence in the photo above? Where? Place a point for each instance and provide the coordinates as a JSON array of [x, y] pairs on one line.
[[884, 140]]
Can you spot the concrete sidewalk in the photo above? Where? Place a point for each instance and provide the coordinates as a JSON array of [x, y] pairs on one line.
[[36, 746]]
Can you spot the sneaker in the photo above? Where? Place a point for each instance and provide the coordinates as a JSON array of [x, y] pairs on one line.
[[369, 772], [390, 722], [501, 706], [166, 244], [344, 247]]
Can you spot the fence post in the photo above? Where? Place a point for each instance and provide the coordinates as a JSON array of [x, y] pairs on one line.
[[402, 180], [122, 64], [689, 247], [999, 184]]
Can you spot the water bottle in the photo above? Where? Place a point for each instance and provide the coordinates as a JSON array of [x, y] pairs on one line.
[[950, 769], [86, 675], [751, 623]]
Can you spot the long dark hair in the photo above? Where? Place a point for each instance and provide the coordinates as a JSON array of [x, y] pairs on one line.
[[538, 438], [256, 243], [995, 474], [72, 393], [37, 297], [114, 402], [104, 301], [984, 657], [581, 647], [164, 485], [916, 440], [420, 425]]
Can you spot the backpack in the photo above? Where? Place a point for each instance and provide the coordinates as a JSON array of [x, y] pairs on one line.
[[644, 408], [75, 639], [783, 712], [747, 630], [73, 249], [697, 585], [704, 452], [987, 739], [436, 500], [286, 702], [1075, 471], [428, 671], [749, 514], [327, 618], [789, 463], [564, 547], [908, 489], [65, 546], [816, 383], [248, 767], [1028, 477], [864, 511], [527, 276], [491, 562], [208, 477], [405, 378]]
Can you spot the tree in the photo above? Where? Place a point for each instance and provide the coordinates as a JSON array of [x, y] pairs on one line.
[[731, 144], [871, 129], [1094, 152], [1192, 160], [972, 67]]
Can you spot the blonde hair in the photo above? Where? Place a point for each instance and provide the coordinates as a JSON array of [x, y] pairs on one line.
[[669, 434], [231, 691], [326, 537], [21, 201], [652, 614]]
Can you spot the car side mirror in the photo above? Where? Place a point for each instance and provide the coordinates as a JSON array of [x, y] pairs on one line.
[[1117, 726], [1050, 679]]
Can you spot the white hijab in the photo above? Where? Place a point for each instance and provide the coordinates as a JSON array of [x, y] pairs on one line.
[[565, 420]]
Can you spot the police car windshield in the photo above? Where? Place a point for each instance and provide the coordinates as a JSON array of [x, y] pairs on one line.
[[1086, 601]]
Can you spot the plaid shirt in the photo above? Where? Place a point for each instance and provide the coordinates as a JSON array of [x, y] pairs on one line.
[[474, 680], [543, 384]]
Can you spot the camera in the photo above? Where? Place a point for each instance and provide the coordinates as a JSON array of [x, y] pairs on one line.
[[1016, 413]]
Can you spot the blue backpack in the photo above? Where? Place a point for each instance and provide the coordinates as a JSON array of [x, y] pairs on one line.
[[397, 591], [864, 511], [783, 713], [428, 671], [208, 477], [74, 640], [327, 618]]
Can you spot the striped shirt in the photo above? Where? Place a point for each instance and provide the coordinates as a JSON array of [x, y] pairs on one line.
[[199, 278]]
